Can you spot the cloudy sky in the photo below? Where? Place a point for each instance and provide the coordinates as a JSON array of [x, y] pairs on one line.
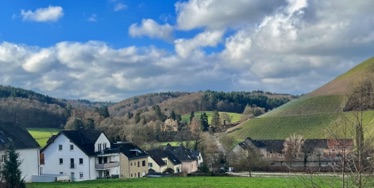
[[109, 50]]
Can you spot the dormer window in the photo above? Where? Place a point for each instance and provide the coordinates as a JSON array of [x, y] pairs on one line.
[[71, 147]]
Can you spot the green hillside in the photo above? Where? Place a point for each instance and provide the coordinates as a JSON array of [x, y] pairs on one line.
[[310, 115], [235, 117], [41, 135]]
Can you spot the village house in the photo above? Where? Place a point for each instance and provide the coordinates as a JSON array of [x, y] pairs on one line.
[[188, 160], [80, 154], [25, 146], [133, 160], [321, 153], [162, 161]]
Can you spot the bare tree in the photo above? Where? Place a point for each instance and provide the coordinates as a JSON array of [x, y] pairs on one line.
[[246, 159], [355, 166], [292, 148]]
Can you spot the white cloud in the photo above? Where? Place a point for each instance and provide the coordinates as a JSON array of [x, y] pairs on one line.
[[218, 14], [152, 29], [186, 47], [119, 7], [39, 61], [49, 14], [92, 18], [288, 47]]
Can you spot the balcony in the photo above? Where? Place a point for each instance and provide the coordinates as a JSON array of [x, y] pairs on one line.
[[106, 165]]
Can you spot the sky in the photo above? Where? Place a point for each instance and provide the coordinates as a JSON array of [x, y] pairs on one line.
[[110, 50]]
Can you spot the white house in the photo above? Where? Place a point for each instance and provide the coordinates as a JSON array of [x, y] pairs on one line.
[[162, 161], [82, 154], [24, 144]]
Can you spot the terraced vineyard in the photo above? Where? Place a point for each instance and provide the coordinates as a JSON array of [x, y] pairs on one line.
[[312, 114]]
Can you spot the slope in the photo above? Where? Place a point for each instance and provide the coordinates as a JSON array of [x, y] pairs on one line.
[[311, 114]]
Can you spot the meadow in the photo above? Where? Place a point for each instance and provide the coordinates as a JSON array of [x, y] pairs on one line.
[[235, 117], [41, 135], [181, 182]]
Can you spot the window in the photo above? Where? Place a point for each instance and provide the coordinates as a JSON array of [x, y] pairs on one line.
[[72, 163], [138, 164], [150, 165], [71, 146], [130, 164], [61, 173], [143, 163], [60, 147], [80, 160], [80, 175], [131, 175], [99, 147], [104, 145], [3, 157], [61, 161]]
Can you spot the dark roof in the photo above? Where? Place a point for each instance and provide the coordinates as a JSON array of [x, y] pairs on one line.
[[158, 154], [17, 135], [278, 145], [131, 150], [180, 152], [84, 139]]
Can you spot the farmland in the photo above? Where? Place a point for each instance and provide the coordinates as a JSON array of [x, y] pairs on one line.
[[181, 182], [41, 135]]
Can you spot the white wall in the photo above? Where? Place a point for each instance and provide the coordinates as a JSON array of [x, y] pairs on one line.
[[102, 140], [52, 154], [29, 162]]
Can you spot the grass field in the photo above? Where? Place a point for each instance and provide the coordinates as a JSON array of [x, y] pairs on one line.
[[181, 182], [41, 135], [235, 117]]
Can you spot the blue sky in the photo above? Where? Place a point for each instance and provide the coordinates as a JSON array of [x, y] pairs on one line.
[[109, 50]]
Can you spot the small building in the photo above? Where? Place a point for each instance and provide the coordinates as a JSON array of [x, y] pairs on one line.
[[320, 153], [25, 146], [162, 161], [133, 160], [188, 160]]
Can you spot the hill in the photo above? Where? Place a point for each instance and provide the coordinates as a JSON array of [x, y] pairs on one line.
[[27, 108], [185, 102], [312, 114]]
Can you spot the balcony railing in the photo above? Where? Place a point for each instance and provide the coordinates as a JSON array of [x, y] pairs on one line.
[[106, 165]]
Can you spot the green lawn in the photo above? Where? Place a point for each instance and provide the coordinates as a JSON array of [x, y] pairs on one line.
[[181, 182], [235, 117], [41, 135]]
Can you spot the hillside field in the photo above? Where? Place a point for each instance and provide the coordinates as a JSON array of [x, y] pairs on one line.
[[41, 135], [181, 182], [235, 117]]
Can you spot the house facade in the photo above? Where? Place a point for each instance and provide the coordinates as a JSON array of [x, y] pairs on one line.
[[25, 146], [189, 162], [82, 154], [132, 159], [162, 161], [320, 153]]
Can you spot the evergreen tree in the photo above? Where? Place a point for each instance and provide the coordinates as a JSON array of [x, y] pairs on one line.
[[173, 115], [10, 171], [192, 115], [216, 121], [204, 121]]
